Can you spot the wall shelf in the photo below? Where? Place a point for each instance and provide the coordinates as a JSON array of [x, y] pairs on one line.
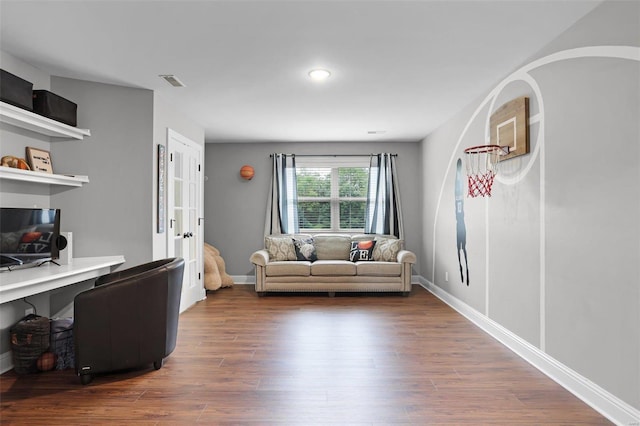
[[9, 173], [36, 123]]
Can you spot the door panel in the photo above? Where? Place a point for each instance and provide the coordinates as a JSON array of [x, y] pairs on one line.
[[185, 236]]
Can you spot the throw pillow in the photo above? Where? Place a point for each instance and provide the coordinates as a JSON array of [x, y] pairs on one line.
[[387, 249], [305, 250], [280, 248], [361, 250]]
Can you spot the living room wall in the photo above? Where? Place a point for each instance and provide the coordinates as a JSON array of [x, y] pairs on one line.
[[553, 254], [165, 116], [235, 208], [111, 215]]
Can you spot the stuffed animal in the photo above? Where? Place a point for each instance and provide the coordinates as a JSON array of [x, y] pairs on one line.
[[14, 162], [215, 275]]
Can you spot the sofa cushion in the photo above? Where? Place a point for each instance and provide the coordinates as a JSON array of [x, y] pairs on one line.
[[280, 247], [362, 250], [333, 267], [379, 269], [386, 249], [288, 268], [332, 246], [305, 249]]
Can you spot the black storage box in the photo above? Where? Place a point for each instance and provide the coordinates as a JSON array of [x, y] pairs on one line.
[[16, 91], [55, 107]]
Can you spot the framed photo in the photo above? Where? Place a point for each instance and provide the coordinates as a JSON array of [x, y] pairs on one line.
[[161, 182], [39, 160]]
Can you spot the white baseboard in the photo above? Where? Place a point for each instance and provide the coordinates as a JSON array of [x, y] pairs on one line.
[[6, 362], [244, 279], [610, 406]]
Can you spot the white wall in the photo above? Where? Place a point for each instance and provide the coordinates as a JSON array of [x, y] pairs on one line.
[[553, 254]]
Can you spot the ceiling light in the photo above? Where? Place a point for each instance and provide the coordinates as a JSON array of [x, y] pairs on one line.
[[172, 80], [319, 74]]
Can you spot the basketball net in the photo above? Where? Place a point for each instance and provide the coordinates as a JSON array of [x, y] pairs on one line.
[[481, 163]]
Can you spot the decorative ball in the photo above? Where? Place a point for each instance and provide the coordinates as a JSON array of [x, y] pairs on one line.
[[247, 172], [46, 362]]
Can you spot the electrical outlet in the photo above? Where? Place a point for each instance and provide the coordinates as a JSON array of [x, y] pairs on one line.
[[446, 276], [28, 311]]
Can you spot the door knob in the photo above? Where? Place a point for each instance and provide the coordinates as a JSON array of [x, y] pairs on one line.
[[187, 235]]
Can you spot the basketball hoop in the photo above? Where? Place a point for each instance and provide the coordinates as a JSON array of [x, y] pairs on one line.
[[482, 166]]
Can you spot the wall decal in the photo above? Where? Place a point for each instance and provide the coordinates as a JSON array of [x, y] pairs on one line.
[[510, 127], [461, 229], [522, 74]]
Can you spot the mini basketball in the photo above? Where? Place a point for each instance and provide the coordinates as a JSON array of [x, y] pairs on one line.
[[247, 172], [46, 362]]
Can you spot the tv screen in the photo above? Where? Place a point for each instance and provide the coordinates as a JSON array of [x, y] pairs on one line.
[[28, 236]]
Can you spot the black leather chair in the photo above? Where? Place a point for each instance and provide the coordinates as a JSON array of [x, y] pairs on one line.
[[129, 319]]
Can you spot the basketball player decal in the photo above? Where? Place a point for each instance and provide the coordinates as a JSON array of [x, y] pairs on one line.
[[461, 229]]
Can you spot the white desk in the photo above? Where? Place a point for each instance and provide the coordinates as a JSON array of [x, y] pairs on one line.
[[29, 281]]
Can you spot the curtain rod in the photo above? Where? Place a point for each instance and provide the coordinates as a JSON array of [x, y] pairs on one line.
[[334, 155]]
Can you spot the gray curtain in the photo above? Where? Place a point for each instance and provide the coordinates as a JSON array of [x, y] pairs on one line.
[[282, 203], [384, 212]]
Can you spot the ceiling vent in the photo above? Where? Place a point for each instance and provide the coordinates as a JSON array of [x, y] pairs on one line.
[[172, 80]]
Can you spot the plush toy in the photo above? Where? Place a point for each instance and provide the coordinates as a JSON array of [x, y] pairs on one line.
[[214, 269], [14, 162]]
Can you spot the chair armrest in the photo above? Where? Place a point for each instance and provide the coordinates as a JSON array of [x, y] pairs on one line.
[[132, 272], [260, 257], [406, 256]]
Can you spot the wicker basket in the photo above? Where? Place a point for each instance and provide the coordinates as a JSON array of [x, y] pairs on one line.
[[62, 342], [29, 340]]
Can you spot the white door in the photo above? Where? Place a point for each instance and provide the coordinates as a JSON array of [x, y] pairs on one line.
[[185, 207]]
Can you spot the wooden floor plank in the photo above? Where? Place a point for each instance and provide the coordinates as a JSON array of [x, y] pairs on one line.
[[309, 359]]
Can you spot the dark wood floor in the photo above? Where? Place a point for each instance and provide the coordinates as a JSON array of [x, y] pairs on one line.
[[310, 359]]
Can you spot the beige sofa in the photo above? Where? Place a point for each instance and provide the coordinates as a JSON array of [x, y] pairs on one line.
[[342, 263]]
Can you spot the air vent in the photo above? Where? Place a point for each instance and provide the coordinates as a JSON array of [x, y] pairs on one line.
[[172, 80]]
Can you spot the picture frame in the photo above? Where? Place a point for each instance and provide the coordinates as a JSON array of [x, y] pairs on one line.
[[161, 187], [39, 160]]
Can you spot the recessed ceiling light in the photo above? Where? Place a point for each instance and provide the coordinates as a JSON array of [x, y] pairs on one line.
[[319, 74], [172, 80]]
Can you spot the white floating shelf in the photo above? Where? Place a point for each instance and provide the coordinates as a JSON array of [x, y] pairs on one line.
[[36, 123], [40, 177]]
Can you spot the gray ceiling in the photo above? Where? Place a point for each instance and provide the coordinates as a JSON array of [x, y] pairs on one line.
[[399, 67]]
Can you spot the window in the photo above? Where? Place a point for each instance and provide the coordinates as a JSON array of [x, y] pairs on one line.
[[332, 193]]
